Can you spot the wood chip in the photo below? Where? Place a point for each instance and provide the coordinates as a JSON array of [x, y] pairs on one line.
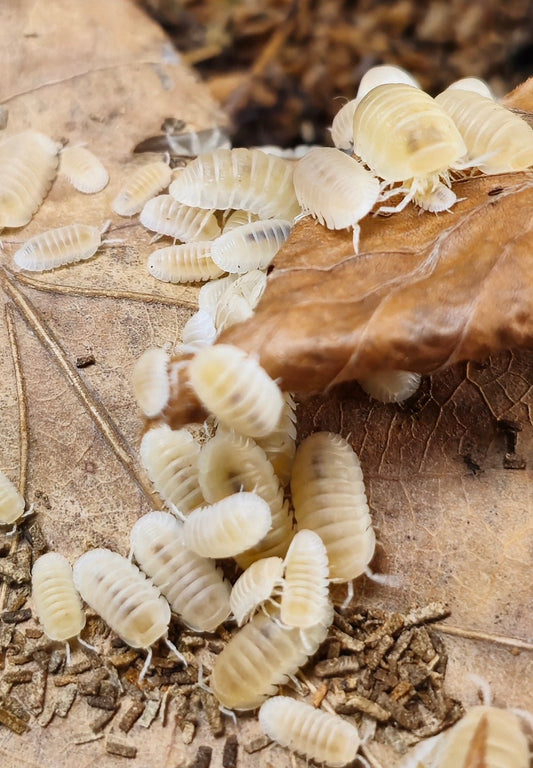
[[102, 702], [131, 715], [188, 731], [319, 695], [86, 738], [32, 633], [347, 642], [100, 722], [47, 714], [16, 676], [431, 612], [150, 713], [336, 667], [89, 683], [56, 660], [84, 361], [65, 700], [230, 753], [16, 617], [13, 715], [203, 757], [356, 703], [118, 747], [214, 715], [36, 692], [254, 742]]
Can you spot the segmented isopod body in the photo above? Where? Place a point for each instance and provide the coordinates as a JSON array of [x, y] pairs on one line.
[[497, 140], [305, 597], [166, 216], [280, 445], [83, 170], [142, 185], [28, 166], [329, 498], [255, 586], [170, 458], [238, 219], [199, 331], [193, 585], [252, 246], [391, 386], [122, 595], [211, 293], [240, 299], [11, 502], [246, 179], [58, 247], [57, 604], [150, 381], [259, 658], [322, 737], [228, 527], [234, 387], [187, 263], [475, 84]]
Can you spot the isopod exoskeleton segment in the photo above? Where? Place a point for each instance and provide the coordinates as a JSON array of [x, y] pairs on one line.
[[255, 586], [141, 186], [150, 381], [238, 219], [193, 585], [474, 85], [391, 386], [280, 445], [83, 170], [166, 216], [305, 596], [11, 502], [239, 300], [236, 389], [325, 738], [199, 331], [57, 603], [187, 263], [252, 246], [211, 293], [57, 247]]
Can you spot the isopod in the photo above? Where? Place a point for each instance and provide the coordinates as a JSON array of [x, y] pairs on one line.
[[259, 658], [329, 498], [199, 331], [252, 246], [211, 293], [187, 263], [391, 386], [239, 300], [83, 170], [245, 179], [228, 527], [305, 596], [164, 215], [238, 219], [255, 586], [193, 585], [320, 736], [170, 458], [144, 183], [426, 141], [236, 389], [11, 502], [280, 445], [57, 604], [58, 247], [475, 84], [336, 189], [497, 140], [28, 166], [150, 381]]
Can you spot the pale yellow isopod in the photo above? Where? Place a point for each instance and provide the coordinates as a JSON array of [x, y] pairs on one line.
[[83, 170], [280, 445], [391, 386], [187, 263], [238, 218], [58, 247], [305, 596], [228, 527], [211, 293], [193, 585], [164, 215], [143, 184], [402, 134], [336, 189], [474, 84], [150, 382], [497, 140], [329, 498], [28, 166], [236, 389], [325, 738], [57, 603], [199, 331], [11, 502], [245, 179], [252, 246], [255, 586], [170, 458], [238, 302], [259, 658]]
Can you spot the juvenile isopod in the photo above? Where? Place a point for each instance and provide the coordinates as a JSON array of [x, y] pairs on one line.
[[245, 179], [193, 585], [238, 218], [28, 166], [252, 246], [426, 142], [11, 502], [199, 331], [211, 293], [255, 586], [239, 300], [280, 445], [58, 247], [143, 184], [228, 527], [320, 736], [329, 498], [305, 596], [83, 170], [164, 215], [497, 140], [336, 189], [57, 603], [151, 386], [236, 389], [170, 458], [187, 263], [391, 386]]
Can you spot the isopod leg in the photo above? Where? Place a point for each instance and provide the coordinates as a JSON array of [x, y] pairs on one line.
[[349, 596], [67, 653], [355, 238], [87, 645], [175, 651], [146, 665], [388, 579]]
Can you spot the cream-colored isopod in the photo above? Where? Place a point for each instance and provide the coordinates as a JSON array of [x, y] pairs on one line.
[[83, 170], [305, 597], [170, 457], [212, 291], [193, 585], [336, 189], [391, 386], [252, 246], [255, 586], [402, 134], [143, 184], [57, 603], [240, 299], [320, 736], [236, 389], [329, 498], [280, 445], [58, 247], [474, 84], [199, 331], [238, 219], [11, 502], [187, 263], [166, 216], [497, 140], [151, 385], [241, 178]]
